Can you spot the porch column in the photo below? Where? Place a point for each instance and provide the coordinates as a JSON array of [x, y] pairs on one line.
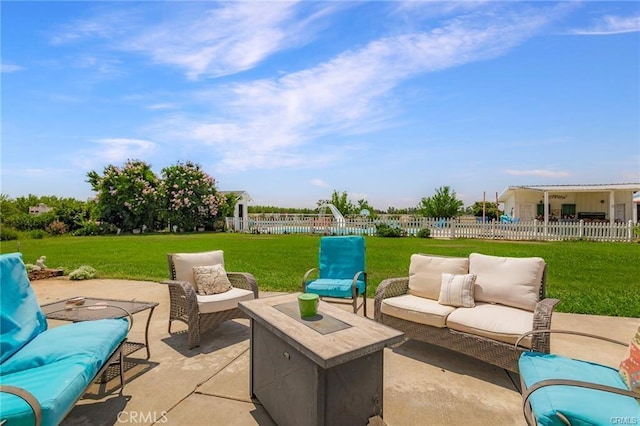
[[612, 207], [546, 212]]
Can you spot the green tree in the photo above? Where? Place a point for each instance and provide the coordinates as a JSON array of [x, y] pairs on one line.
[[190, 196], [443, 204], [364, 205], [491, 211], [341, 202], [127, 196]]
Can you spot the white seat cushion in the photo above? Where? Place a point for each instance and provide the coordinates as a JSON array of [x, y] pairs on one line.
[[497, 322], [416, 309], [223, 301]]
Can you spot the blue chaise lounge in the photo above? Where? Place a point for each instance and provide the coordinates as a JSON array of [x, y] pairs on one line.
[[43, 372]]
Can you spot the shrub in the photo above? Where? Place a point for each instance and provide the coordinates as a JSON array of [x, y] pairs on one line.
[[84, 272], [424, 233], [7, 233], [384, 230], [87, 227], [57, 228], [37, 234]]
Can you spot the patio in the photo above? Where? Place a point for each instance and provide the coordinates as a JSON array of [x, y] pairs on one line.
[[423, 384]]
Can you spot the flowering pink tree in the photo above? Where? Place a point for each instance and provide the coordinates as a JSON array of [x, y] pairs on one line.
[[190, 196], [127, 196]]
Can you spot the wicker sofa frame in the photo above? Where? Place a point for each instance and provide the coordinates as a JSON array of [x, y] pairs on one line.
[[184, 303], [501, 354]]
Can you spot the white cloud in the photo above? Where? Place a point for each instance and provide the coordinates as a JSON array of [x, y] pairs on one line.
[[270, 122], [161, 106], [6, 68], [319, 183], [539, 173], [114, 151], [205, 39], [612, 25]]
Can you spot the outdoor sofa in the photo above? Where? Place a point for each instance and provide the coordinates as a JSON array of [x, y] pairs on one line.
[[43, 372], [478, 305]]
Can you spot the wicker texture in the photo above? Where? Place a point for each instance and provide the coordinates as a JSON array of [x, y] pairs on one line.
[[184, 304], [503, 355]]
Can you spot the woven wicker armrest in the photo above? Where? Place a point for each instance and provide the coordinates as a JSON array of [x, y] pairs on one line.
[[27, 397], [389, 288], [186, 291], [244, 280], [541, 342]]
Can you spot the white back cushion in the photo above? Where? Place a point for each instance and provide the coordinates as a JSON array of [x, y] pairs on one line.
[[510, 281], [425, 273], [184, 263]]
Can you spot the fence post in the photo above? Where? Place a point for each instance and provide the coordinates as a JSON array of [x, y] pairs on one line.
[[581, 229], [630, 230]]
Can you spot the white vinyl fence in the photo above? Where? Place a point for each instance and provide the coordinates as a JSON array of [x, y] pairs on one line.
[[439, 228]]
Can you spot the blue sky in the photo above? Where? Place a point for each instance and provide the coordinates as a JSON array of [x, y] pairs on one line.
[[292, 100]]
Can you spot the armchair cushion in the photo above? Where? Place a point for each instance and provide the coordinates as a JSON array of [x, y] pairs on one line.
[[581, 406], [334, 287], [509, 281], [425, 273], [211, 279], [223, 301], [184, 263], [457, 290], [497, 322]]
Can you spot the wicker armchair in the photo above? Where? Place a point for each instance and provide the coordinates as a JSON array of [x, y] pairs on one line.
[[199, 312]]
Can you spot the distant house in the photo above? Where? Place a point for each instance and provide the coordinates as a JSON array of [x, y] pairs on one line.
[[39, 209], [241, 209], [601, 202]]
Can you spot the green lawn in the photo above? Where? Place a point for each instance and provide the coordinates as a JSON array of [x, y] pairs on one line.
[[588, 277]]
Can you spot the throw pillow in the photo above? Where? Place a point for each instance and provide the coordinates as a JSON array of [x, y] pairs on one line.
[[457, 290], [211, 279], [630, 366]]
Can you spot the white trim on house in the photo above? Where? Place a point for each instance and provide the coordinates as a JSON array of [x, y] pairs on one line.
[[613, 202]]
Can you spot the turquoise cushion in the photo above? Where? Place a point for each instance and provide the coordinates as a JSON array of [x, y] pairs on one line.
[[581, 406], [21, 318], [334, 288], [341, 257], [56, 386], [96, 340]]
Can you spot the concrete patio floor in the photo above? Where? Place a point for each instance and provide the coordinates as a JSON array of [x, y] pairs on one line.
[[209, 385]]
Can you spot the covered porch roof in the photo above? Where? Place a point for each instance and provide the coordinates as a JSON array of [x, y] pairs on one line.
[[635, 187]]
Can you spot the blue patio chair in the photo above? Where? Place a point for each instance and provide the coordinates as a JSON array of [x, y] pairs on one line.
[[341, 272], [559, 390]]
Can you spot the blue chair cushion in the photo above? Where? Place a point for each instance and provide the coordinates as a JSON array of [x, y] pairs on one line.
[[341, 257], [95, 340], [334, 288], [21, 318], [56, 386], [581, 406]]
